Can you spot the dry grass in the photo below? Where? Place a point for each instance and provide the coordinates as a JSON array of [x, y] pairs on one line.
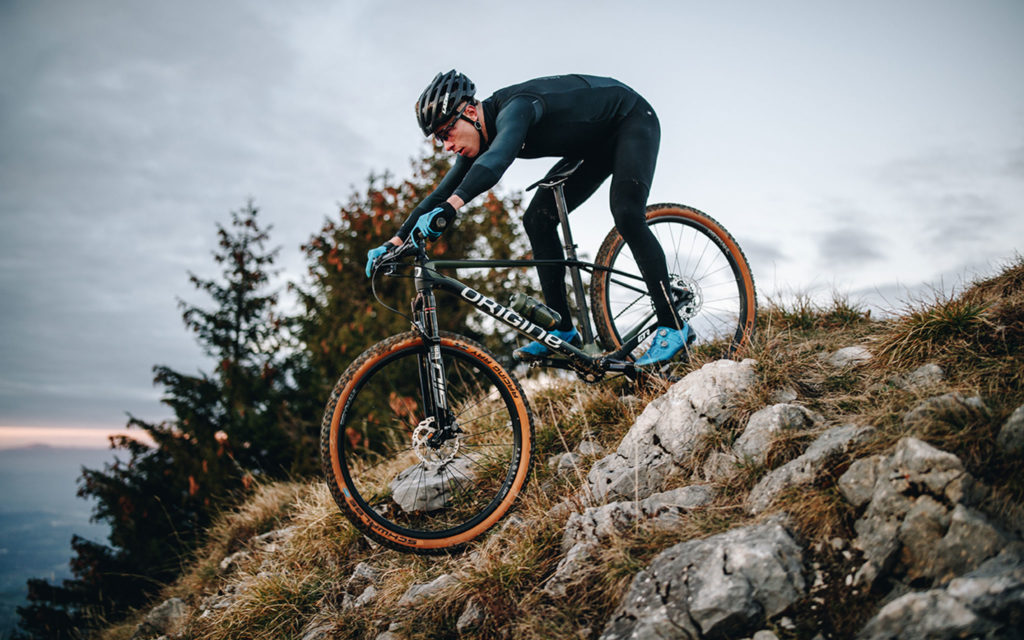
[[977, 337]]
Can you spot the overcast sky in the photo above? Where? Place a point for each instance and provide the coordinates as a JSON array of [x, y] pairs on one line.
[[858, 146]]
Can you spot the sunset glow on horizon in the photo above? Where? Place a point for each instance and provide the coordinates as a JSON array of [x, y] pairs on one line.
[[64, 437]]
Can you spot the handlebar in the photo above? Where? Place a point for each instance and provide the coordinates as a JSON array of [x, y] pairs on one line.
[[396, 253]]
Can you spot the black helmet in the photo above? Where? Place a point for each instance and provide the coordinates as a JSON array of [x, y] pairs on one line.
[[441, 99]]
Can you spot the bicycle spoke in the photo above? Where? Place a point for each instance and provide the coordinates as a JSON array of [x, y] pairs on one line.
[[419, 486]]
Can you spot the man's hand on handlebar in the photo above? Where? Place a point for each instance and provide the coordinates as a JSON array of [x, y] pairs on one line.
[[432, 224], [384, 253]]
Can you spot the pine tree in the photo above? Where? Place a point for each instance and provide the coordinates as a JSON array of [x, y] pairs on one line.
[[227, 429]]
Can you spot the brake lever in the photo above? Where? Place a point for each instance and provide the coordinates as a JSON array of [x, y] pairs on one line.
[[391, 256]]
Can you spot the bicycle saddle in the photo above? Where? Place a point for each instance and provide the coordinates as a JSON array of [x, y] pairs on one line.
[[558, 174]]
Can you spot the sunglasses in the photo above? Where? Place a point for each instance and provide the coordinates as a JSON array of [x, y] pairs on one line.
[[441, 135]]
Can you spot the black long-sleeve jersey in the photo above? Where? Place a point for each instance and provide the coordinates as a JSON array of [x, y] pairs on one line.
[[555, 116]]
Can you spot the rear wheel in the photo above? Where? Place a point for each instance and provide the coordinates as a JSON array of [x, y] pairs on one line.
[[403, 479], [711, 282]]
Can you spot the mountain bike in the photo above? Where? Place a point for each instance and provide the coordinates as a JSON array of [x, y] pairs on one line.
[[427, 439]]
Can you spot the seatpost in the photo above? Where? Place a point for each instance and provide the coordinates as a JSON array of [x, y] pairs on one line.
[[586, 331]]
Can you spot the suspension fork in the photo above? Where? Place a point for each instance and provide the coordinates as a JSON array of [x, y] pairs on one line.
[[433, 385]]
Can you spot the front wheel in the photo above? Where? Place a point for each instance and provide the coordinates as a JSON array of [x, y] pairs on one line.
[[402, 478], [710, 280]]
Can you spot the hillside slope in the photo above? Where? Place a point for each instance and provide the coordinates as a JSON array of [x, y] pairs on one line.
[[848, 478]]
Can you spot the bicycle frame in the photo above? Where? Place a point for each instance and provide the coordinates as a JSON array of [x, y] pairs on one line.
[[587, 362], [592, 367]]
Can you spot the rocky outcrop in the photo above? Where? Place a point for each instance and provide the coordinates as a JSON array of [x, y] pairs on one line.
[[766, 424], [848, 357], [950, 407], [927, 557], [585, 532], [727, 585], [168, 619], [419, 593], [659, 444], [428, 487], [923, 377], [1011, 435], [918, 521], [804, 469], [987, 602]]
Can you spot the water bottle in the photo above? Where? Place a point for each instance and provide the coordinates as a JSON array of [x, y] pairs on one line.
[[534, 311]]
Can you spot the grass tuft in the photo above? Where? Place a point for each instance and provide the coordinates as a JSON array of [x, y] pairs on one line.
[[976, 336]]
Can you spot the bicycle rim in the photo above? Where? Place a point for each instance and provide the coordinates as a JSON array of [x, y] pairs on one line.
[[710, 278], [391, 481]]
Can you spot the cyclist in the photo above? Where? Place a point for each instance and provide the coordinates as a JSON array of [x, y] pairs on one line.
[[599, 120]]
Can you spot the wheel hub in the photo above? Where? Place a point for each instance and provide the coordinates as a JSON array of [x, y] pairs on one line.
[[428, 453], [688, 296]]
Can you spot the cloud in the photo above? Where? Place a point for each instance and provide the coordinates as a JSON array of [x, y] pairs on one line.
[[762, 255], [848, 246]]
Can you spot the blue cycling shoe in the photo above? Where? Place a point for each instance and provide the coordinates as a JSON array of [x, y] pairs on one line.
[[667, 343], [537, 350]]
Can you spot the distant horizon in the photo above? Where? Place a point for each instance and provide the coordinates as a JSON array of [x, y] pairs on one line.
[[12, 437]]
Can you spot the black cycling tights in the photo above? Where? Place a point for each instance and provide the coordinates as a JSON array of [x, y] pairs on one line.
[[629, 158]]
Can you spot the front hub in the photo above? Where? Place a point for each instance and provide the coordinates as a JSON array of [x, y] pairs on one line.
[[432, 447]]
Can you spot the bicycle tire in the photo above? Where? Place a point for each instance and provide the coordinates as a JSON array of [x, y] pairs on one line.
[[371, 443], [724, 305]]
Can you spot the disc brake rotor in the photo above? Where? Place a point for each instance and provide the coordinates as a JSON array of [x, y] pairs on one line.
[[687, 308], [429, 455]]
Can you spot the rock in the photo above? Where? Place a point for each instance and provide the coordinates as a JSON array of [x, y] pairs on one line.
[[918, 520], [923, 377], [569, 463], [857, 485], [804, 469], [666, 433], [363, 575], [756, 439], [590, 448], [848, 357], [317, 630], [472, 617], [1011, 435], [784, 395], [727, 585], [631, 402], [419, 593], [366, 598], [765, 634], [933, 614], [562, 510], [597, 524], [231, 562], [585, 532], [391, 633], [950, 407], [720, 467], [168, 618], [987, 602], [578, 562], [427, 487], [271, 541]]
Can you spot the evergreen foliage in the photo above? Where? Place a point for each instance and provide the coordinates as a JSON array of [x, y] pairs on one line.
[[256, 415], [341, 317], [226, 430]]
